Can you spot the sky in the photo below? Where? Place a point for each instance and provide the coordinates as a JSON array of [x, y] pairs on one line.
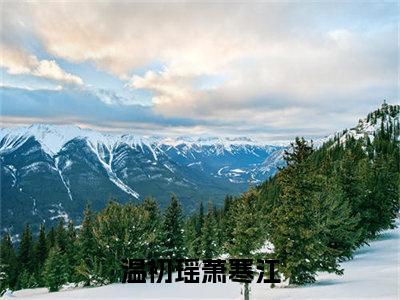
[[267, 70]]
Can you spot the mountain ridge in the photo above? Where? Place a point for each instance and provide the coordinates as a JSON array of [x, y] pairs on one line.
[[51, 170], [54, 137]]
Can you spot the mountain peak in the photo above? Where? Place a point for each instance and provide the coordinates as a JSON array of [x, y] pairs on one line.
[[54, 137], [51, 137]]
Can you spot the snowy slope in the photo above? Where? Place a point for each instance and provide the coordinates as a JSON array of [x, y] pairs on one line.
[[373, 274], [366, 127], [51, 168], [54, 137]]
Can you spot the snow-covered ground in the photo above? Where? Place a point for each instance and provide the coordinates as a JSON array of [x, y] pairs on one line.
[[373, 274]]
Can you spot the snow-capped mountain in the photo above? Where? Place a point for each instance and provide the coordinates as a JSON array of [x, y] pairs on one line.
[[50, 171], [386, 115]]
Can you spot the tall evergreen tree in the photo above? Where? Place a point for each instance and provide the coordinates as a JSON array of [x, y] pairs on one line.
[[197, 221], [227, 223], [25, 253], [382, 203], [209, 235], [153, 225], [56, 270], [121, 231], [41, 251], [335, 212], [51, 238], [61, 236], [200, 219], [297, 234], [86, 246], [8, 264], [71, 252], [247, 234], [190, 237], [172, 231]]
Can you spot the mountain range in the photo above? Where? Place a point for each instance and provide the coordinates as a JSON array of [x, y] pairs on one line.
[[52, 171]]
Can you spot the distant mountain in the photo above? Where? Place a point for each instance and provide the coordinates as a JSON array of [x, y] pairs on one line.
[[50, 171]]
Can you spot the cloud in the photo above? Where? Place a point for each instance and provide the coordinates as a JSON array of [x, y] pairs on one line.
[[21, 106], [269, 67], [17, 62], [76, 105]]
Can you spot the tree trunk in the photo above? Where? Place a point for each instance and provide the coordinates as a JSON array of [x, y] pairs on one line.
[[246, 291]]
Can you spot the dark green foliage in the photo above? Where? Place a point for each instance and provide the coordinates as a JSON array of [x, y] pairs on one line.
[[209, 234], [315, 212], [120, 231], [8, 264], [245, 226], [172, 231], [296, 219], [55, 270], [51, 238], [61, 236], [24, 281], [86, 247], [341, 233], [71, 251], [332, 200], [227, 222], [152, 228], [41, 249], [41, 252], [25, 253]]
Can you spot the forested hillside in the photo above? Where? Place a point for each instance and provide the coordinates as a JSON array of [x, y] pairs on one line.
[[51, 171], [311, 215]]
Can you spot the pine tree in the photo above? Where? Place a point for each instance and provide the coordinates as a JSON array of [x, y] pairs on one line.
[[25, 253], [382, 203], [197, 221], [384, 178], [227, 223], [172, 231], [8, 264], [152, 228], [61, 236], [56, 270], [86, 247], [191, 237], [335, 212], [24, 279], [247, 233], [51, 238], [71, 250], [200, 219], [41, 252], [353, 176], [121, 231], [297, 234], [208, 235]]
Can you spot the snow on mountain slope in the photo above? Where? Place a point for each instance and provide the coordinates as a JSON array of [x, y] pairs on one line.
[[55, 164], [372, 274], [190, 151], [54, 137], [51, 137], [368, 126], [272, 162]]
